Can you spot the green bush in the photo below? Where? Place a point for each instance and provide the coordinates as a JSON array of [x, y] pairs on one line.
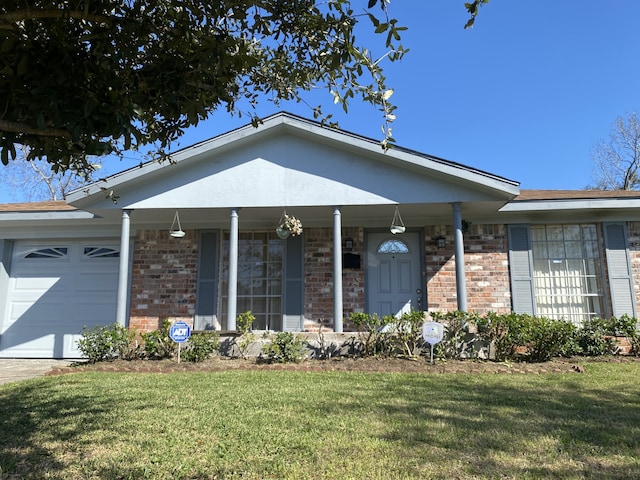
[[506, 332], [546, 338], [103, 343], [595, 337], [201, 346], [158, 344], [370, 329], [454, 343], [244, 321], [627, 326], [525, 337], [408, 332], [285, 347]]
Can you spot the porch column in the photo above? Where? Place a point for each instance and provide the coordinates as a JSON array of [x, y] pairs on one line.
[[123, 270], [337, 270], [461, 284], [232, 293]]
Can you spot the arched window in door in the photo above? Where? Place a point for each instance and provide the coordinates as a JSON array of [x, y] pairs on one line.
[[393, 245]]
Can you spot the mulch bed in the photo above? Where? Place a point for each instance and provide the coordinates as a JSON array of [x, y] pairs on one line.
[[369, 364]]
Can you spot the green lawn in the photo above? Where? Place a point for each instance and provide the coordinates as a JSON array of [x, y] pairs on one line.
[[325, 425]]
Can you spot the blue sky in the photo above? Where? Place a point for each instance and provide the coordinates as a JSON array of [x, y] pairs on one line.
[[525, 94]]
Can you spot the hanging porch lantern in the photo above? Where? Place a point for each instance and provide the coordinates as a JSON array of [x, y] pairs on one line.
[[397, 225], [176, 232]]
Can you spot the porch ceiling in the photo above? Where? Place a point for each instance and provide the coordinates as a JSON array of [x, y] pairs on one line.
[[368, 216]]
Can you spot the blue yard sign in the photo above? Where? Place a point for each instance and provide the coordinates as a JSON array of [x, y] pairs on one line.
[[180, 333]]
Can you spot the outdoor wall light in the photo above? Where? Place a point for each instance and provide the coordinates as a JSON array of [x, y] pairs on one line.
[[440, 241], [348, 243]]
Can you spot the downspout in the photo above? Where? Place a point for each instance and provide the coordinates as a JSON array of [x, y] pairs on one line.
[[461, 283], [123, 269], [232, 293], [337, 271]]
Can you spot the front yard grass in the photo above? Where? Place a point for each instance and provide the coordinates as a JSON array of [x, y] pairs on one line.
[[326, 425]]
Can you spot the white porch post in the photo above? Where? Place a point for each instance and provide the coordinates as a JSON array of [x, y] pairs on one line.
[[123, 270], [337, 270], [461, 283], [232, 293]]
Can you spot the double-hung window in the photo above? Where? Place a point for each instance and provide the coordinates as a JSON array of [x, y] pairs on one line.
[[260, 277], [567, 271]]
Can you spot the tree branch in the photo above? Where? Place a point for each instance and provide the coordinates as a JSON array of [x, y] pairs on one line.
[[8, 19], [17, 127]]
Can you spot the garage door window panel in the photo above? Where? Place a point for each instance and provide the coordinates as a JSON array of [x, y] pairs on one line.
[[49, 253], [100, 252]]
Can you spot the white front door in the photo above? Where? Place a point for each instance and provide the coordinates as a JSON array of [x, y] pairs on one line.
[[393, 273]]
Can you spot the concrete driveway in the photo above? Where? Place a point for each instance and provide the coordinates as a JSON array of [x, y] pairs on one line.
[[14, 370]]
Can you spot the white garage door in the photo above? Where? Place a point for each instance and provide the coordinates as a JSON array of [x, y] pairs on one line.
[[55, 289]]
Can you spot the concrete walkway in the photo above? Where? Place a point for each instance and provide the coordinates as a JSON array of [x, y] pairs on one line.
[[14, 370]]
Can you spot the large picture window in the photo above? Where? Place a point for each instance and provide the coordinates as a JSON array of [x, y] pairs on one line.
[[260, 274], [567, 272]]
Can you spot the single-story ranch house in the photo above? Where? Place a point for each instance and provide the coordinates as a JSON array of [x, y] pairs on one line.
[[195, 240]]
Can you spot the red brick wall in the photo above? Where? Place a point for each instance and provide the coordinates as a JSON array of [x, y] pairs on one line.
[[163, 283], [318, 295], [486, 264], [165, 273], [633, 238]]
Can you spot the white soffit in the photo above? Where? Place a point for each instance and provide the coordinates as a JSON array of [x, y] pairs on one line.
[[577, 204]]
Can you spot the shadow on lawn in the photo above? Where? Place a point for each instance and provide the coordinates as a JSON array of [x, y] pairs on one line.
[[501, 429], [25, 431]]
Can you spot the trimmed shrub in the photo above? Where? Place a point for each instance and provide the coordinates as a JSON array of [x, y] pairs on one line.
[[525, 337], [201, 346], [408, 332], [371, 332], [627, 326], [548, 338], [506, 332], [596, 337], [244, 321], [285, 347], [158, 344], [104, 343], [454, 343]]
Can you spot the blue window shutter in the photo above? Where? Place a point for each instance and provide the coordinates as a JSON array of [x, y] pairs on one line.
[[207, 281], [292, 314], [521, 271], [619, 270]]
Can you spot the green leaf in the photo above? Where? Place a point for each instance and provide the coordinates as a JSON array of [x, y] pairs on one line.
[[382, 27]]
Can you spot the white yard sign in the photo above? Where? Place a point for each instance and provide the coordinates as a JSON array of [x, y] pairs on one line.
[[432, 332]]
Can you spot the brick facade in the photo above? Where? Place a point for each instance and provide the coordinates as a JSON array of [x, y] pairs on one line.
[[164, 275], [633, 239], [486, 263], [165, 272], [318, 293]]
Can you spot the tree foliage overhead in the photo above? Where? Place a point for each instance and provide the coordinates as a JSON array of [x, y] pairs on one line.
[[91, 77], [617, 159], [473, 8]]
